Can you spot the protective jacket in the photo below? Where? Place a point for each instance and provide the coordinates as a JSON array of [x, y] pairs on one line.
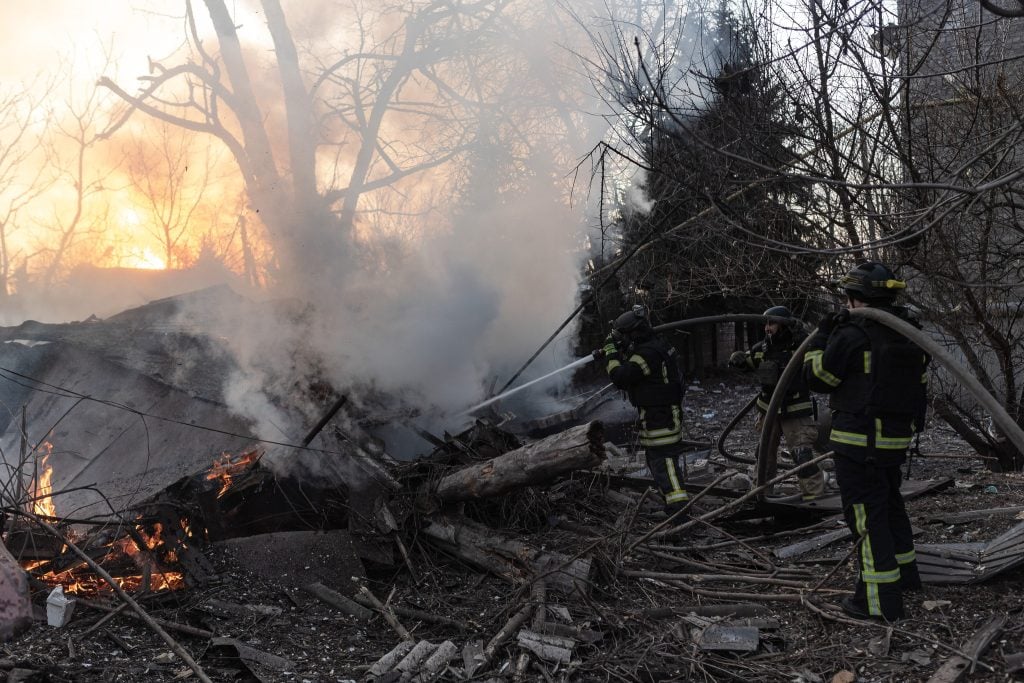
[[768, 360], [877, 379], [648, 371]]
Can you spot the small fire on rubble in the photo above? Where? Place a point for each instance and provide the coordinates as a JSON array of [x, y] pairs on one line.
[[82, 581], [42, 484], [228, 466], [147, 555]]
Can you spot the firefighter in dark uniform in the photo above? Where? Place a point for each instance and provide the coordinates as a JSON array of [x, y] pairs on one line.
[[767, 359], [645, 366], [877, 381]]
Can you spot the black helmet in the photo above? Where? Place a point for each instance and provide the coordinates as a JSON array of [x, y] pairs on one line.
[[633, 322], [872, 281], [784, 334], [779, 312]]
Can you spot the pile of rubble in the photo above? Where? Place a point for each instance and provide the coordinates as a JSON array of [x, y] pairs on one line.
[[538, 553]]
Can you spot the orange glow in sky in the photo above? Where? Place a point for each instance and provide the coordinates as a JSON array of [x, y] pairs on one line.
[[144, 259], [57, 50]]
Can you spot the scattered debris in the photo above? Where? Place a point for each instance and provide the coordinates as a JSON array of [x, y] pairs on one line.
[[59, 608], [971, 562], [730, 638], [494, 557], [954, 668]]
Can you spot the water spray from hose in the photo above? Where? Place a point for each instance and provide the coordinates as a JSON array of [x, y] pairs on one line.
[[575, 364]]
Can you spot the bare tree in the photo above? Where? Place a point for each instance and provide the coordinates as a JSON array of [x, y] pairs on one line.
[[963, 121], [379, 111], [20, 185], [910, 144], [168, 170], [74, 136]]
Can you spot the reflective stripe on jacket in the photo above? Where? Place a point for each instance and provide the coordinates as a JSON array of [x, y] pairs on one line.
[[648, 370], [840, 365], [797, 402]]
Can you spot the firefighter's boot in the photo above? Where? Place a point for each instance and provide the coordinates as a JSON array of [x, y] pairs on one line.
[[810, 477]]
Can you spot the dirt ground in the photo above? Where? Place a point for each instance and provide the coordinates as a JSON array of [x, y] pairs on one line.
[[617, 635]]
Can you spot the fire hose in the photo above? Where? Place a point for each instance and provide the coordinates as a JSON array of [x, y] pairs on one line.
[[731, 318], [999, 415]]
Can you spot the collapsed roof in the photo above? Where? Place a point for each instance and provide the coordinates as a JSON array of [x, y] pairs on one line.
[[125, 406]]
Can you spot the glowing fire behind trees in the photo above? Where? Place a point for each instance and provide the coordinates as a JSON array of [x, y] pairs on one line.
[[405, 123]]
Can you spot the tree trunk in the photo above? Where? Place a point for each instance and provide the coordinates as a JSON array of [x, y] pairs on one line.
[[538, 463], [1007, 457]]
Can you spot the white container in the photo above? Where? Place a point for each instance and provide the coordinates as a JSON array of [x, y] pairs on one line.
[[59, 608]]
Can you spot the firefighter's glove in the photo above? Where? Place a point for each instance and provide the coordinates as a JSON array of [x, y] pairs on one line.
[[611, 346], [738, 360], [828, 323]]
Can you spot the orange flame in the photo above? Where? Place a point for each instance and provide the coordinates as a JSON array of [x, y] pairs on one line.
[[226, 467], [42, 485], [78, 582], [158, 581], [127, 545]]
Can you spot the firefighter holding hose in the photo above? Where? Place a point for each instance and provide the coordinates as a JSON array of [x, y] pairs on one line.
[[645, 365], [767, 359], [877, 379]]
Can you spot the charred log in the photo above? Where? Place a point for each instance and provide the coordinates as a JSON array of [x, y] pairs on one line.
[[541, 462]]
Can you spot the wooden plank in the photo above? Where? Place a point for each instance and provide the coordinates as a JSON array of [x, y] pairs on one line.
[[954, 668], [506, 556], [554, 649], [974, 515], [832, 504], [816, 543], [339, 601]]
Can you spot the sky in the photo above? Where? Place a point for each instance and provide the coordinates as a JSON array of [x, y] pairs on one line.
[[39, 34]]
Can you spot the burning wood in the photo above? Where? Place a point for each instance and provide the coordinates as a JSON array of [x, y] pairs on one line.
[[228, 466], [41, 486], [137, 559]]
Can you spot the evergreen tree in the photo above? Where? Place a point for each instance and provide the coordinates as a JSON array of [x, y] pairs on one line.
[[710, 165]]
